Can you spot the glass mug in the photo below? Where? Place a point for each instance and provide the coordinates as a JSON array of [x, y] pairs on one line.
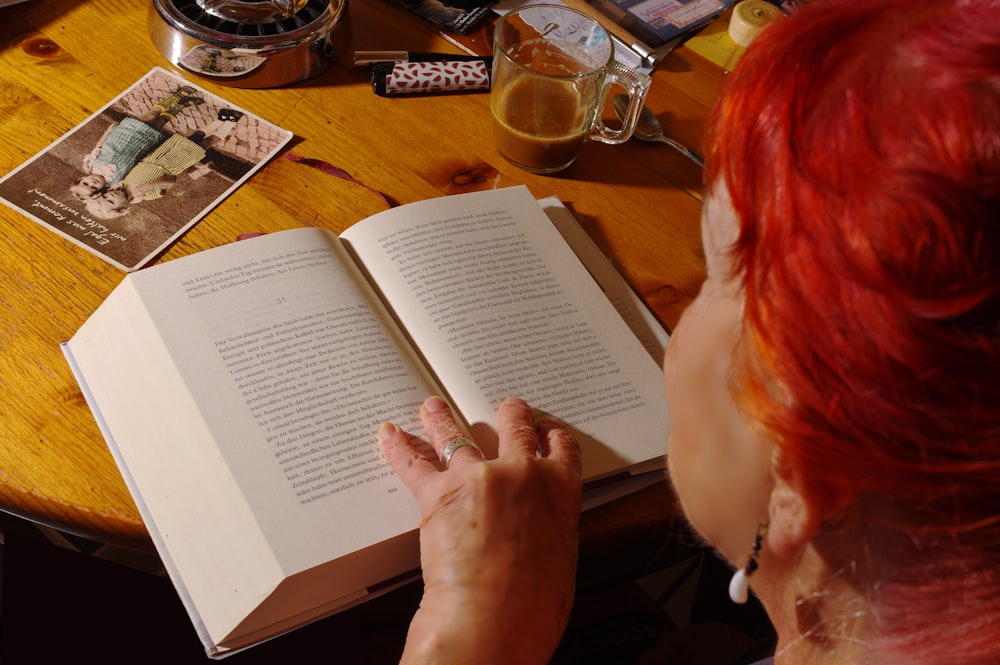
[[553, 69]]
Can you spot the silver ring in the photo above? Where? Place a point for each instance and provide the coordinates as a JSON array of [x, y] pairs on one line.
[[453, 445]]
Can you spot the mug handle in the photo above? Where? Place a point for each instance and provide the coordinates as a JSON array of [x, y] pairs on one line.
[[636, 84]]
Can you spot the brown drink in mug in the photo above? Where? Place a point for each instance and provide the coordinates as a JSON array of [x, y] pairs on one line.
[[553, 69]]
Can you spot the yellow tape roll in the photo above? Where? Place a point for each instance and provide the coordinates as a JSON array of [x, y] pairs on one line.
[[749, 19]]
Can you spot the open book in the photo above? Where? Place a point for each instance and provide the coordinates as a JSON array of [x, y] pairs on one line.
[[240, 390]]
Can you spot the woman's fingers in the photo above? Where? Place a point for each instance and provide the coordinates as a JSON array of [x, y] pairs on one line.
[[447, 445], [516, 427], [453, 446], [558, 444], [477, 556], [409, 457]]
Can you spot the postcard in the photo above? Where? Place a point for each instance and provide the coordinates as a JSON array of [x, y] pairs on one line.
[[138, 173]]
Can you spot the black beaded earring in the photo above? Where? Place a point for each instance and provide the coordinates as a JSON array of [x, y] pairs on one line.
[[739, 586]]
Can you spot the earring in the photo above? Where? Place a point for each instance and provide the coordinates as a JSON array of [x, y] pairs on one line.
[[739, 586]]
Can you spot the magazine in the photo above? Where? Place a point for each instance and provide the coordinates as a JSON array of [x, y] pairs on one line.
[[460, 16], [657, 22]]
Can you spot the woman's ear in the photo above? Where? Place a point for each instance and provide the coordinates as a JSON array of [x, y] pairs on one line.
[[793, 520]]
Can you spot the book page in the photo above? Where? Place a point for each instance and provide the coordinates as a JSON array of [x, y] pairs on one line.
[[499, 305], [250, 425], [307, 362], [640, 320]]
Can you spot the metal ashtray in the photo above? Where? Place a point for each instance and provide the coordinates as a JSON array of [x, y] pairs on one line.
[[251, 43]]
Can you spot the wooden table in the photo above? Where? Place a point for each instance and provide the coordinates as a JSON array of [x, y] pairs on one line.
[[62, 59]]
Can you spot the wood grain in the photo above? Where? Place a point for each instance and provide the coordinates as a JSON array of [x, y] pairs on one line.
[[62, 60]]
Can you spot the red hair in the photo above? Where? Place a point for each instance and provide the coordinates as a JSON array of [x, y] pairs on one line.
[[860, 144]]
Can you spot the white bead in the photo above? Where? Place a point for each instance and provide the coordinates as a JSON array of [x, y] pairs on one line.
[[739, 587]]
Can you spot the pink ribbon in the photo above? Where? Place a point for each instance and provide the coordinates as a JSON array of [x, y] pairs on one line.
[[330, 169]]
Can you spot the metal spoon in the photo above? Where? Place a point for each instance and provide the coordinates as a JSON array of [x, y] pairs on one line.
[[648, 129]]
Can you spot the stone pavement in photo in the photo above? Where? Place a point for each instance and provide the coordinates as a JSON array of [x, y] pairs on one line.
[[250, 140]]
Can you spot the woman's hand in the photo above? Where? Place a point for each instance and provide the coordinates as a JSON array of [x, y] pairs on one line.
[[498, 538]]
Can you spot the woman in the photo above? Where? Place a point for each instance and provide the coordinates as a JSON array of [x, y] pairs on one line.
[[848, 332]]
